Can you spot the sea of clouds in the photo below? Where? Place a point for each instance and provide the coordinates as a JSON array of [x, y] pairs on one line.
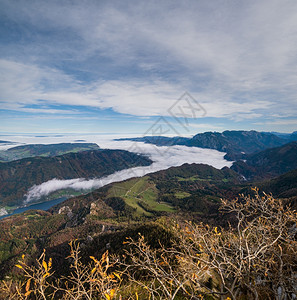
[[163, 157]]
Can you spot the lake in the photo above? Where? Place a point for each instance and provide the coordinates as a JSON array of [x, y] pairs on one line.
[[41, 206]]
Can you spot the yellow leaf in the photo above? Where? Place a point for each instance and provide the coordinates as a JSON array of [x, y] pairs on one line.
[[23, 256], [93, 270], [28, 285], [216, 231], [112, 292], [28, 293], [50, 263], [104, 256], [44, 265], [94, 259], [117, 275], [136, 295], [19, 266], [107, 297], [45, 275]]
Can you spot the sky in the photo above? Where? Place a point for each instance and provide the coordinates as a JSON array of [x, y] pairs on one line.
[[148, 67]]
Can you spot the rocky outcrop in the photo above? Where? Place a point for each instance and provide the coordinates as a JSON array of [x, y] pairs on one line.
[[3, 212]]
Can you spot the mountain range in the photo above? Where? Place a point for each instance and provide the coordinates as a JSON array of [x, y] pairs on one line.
[[103, 218], [26, 151], [236, 144], [194, 190], [16, 177], [268, 163], [110, 214]]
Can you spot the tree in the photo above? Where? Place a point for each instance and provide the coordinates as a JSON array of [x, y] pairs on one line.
[[255, 258]]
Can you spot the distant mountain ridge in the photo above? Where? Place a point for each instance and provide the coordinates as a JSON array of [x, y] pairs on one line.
[[18, 176], [26, 151], [289, 136], [103, 219], [268, 163], [235, 143]]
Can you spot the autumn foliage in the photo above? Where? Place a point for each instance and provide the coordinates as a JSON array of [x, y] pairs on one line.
[[253, 258]]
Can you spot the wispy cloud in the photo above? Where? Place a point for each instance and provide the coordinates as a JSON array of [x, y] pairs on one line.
[[151, 98], [278, 122], [237, 58], [34, 83]]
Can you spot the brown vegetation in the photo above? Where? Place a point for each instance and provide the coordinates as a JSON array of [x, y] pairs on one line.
[[255, 258]]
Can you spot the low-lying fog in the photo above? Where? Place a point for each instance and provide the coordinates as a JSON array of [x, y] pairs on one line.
[[163, 158]]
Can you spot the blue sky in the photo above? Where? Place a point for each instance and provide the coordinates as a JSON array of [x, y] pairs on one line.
[[118, 66]]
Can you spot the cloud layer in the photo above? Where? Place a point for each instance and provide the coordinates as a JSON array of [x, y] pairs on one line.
[[237, 58], [163, 158]]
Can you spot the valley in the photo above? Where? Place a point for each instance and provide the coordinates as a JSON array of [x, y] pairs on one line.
[[16, 177], [147, 205]]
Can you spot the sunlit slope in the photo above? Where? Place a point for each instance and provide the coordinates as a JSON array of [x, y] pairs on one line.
[[140, 194], [26, 151]]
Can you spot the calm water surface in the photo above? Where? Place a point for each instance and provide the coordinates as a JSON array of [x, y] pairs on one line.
[[40, 206]]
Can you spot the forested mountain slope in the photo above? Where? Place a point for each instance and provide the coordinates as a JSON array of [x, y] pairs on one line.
[[268, 163], [234, 143], [18, 176]]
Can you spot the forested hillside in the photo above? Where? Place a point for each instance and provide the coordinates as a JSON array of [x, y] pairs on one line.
[[18, 176], [268, 163]]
